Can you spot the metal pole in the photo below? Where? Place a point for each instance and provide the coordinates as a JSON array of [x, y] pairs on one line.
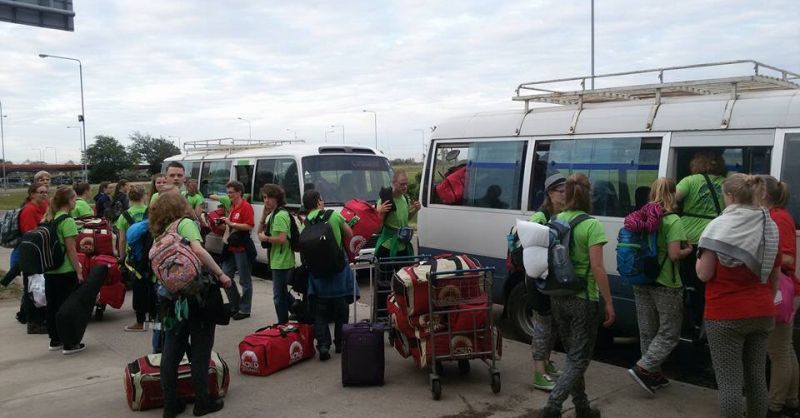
[[592, 44], [3, 144], [83, 122]]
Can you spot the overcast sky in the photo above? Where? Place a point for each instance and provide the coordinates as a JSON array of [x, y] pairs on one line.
[[189, 69]]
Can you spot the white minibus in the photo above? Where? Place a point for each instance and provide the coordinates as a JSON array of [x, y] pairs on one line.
[[622, 138], [339, 172]]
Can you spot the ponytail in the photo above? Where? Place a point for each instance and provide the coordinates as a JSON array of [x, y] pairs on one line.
[[746, 189], [60, 199], [776, 192], [578, 193]]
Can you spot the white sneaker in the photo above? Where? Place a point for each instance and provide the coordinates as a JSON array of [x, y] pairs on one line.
[[74, 349]]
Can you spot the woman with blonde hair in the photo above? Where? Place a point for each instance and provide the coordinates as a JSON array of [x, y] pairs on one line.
[[168, 209], [784, 371], [738, 260], [577, 317], [659, 305]]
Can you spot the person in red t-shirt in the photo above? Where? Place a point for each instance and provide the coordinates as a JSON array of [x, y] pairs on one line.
[[738, 261], [31, 215], [239, 251], [784, 369]]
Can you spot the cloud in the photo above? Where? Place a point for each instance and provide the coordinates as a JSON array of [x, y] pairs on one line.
[[190, 69]]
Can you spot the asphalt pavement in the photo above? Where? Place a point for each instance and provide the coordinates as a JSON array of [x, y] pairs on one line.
[[40, 383]]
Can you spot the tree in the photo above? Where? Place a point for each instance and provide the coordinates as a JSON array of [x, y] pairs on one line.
[[106, 158], [151, 150]]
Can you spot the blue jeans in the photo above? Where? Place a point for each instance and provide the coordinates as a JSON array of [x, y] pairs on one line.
[[238, 262], [280, 294]]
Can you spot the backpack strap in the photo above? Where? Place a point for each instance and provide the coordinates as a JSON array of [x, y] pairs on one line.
[[128, 218], [60, 219], [572, 224], [326, 216], [713, 193]]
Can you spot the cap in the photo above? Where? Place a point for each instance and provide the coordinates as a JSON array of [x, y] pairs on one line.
[[554, 180]]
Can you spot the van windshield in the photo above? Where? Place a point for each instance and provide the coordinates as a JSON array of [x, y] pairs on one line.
[[340, 178]]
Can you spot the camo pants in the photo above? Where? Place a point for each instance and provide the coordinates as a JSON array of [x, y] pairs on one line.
[[543, 339], [659, 312], [577, 321]]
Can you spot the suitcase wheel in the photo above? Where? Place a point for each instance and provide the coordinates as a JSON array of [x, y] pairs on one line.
[[496, 382], [436, 389]]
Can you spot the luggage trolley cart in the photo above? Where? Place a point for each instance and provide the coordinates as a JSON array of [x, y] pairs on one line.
[[385, 268], [461, 298]]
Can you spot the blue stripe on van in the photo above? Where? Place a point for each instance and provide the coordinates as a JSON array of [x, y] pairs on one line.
[[605, 166], [480, 164]]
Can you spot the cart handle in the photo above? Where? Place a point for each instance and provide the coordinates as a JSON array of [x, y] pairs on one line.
[[478, 270]]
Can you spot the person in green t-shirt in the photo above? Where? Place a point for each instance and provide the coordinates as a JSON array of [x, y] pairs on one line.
[[331, 294], [281, 256], [395, 216], [194, 197], [172, 207], [659, 306], [223, 200], [144, 295], [577, 316], [82, 209], [61, 281], [699, 208], [158, 182], [545, 371]]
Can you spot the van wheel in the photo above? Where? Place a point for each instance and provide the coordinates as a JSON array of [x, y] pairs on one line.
[[520, 313]]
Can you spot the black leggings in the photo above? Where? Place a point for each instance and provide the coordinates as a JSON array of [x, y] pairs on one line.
[[695, 289], [144, 299], [57, 288]]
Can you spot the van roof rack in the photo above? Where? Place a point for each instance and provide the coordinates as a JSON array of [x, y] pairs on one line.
[[232, 144], [777, 79]]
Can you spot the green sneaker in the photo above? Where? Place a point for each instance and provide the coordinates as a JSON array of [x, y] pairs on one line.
[[551, 369], [543, 382]]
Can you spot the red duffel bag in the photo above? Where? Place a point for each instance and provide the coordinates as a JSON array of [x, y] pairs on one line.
[[112, 295], [365, 221], [95, 238], [143, 381], [114, 273], [275, 348], [211, 221]]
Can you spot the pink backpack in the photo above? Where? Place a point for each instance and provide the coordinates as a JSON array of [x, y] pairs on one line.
[[174, 263]]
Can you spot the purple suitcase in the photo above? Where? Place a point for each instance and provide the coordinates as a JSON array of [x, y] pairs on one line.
[[362, 351]]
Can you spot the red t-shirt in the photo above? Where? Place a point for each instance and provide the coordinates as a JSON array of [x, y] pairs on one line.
[[31, 215], [241, 214], [737, 293], [787, 243]]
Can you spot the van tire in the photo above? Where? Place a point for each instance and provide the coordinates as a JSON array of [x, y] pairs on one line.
[[519, 312]]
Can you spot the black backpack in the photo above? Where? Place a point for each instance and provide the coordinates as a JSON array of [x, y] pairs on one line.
[[561, 278], [40, 250], [318, 248], [294, 231]]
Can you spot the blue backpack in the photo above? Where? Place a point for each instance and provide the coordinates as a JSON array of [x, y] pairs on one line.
[[138, 243], [637, 257]]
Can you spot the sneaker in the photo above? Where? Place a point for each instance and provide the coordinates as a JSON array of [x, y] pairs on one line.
[[73, 349], [211, 407], [587, 412], [643, 378], [174, 411], [55, 345], [543, 382], [324, 355], [338, 349], [36, 328], [239, 316], [21, 318], [660, 381], [551, 369], [135, 328], [549, 412]]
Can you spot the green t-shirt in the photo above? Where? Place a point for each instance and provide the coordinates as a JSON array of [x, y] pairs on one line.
[[194, 200], [335, 221], [671, 230], [698, 200], [225, 201], [281, 256], [396, 219], [539, 218], [136, 212], [153, 198], [189, 230], [67, 228], [81, 209], [587, 234]]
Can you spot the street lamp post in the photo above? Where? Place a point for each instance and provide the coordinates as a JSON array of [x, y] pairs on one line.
[[375, 114], [82, 116], [249, 126], [340, 126], [55, 153], [79, 132], [3, 144], [179, 140]]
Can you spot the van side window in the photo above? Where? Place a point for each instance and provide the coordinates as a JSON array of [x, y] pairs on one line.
[[214, 176], [748, 159], [620, 169], [490, 172], [280, 171], [790, 171]]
